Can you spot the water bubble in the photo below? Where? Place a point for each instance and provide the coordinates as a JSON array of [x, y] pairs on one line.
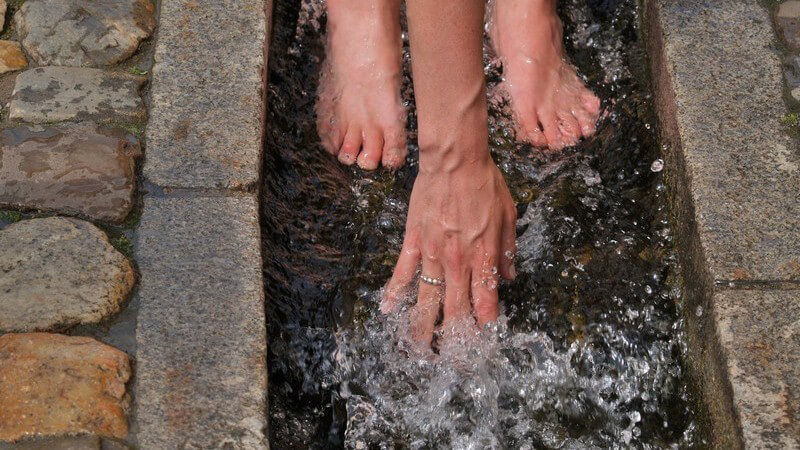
[[648, 290], [657, 166]]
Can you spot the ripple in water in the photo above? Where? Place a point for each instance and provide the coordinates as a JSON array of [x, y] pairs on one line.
[[589, 350]]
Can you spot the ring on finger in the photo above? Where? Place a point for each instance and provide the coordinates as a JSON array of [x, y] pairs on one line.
[[431, 280]]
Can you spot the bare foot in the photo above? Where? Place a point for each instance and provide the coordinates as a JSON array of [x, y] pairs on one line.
[[360, 117], [552, 105]]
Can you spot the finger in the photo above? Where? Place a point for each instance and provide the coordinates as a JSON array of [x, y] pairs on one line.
[[456, 306], [426, 311], [484, 293], [508, 245], [403, 275]]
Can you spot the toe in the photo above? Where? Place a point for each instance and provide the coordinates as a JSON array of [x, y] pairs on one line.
[[586, 121], [591, 103], [372, 149], [394, 148], [532, 131], [551, 131], [569, 128], [350, 146]]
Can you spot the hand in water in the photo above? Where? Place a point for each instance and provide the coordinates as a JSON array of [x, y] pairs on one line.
[[462, 226]]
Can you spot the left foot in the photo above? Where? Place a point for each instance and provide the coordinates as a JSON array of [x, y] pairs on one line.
[[552, 105]]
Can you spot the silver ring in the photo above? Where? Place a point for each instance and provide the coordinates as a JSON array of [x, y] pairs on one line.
[[432, 281]]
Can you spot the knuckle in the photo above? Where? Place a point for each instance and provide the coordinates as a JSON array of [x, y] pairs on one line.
[[486, 308]]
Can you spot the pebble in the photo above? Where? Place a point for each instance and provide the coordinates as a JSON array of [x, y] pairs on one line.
[[52, 384], [59, 272], [11, 56], [80, 169], [54, 94], [83, 33]]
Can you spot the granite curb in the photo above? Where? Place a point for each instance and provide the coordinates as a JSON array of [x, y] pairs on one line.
[[733, 174], [201, 379]]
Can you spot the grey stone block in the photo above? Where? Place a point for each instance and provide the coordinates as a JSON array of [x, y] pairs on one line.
[[52, 94], [207, 94], [720, 99], [760, 336], [201, 335]]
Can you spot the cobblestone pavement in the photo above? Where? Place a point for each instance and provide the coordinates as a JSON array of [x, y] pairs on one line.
[[73, 79]]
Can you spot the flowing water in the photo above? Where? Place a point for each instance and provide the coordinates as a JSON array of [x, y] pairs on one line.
[[589, 351]]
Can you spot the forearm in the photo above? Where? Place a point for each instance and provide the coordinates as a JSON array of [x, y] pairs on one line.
[[447, 60]]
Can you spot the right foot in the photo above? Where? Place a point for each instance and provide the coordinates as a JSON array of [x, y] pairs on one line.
[[360, 117]]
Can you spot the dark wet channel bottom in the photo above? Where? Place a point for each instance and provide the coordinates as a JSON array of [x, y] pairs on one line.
[[590, 352]]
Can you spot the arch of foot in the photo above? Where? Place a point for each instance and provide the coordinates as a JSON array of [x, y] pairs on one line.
[[72, 75]]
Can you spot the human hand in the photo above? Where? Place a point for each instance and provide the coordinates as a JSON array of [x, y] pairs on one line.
[[462, 226]]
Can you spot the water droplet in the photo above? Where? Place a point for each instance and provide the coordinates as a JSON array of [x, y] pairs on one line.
[[509, 254], [648, 289], [699, 311], [657, 166]]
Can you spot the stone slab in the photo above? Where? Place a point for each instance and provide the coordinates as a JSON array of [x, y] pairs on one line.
[[57, 272], [80, 169], [760, 336], [51, 384], [53, 94], [201, 335], [720, 95], [87, 33], [207, 94]]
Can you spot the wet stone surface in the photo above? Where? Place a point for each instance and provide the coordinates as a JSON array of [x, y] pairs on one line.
[[11, 57], [51, 94], [87, 33], [79, 169], [59, 272], [788, 20], [53, 384]]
